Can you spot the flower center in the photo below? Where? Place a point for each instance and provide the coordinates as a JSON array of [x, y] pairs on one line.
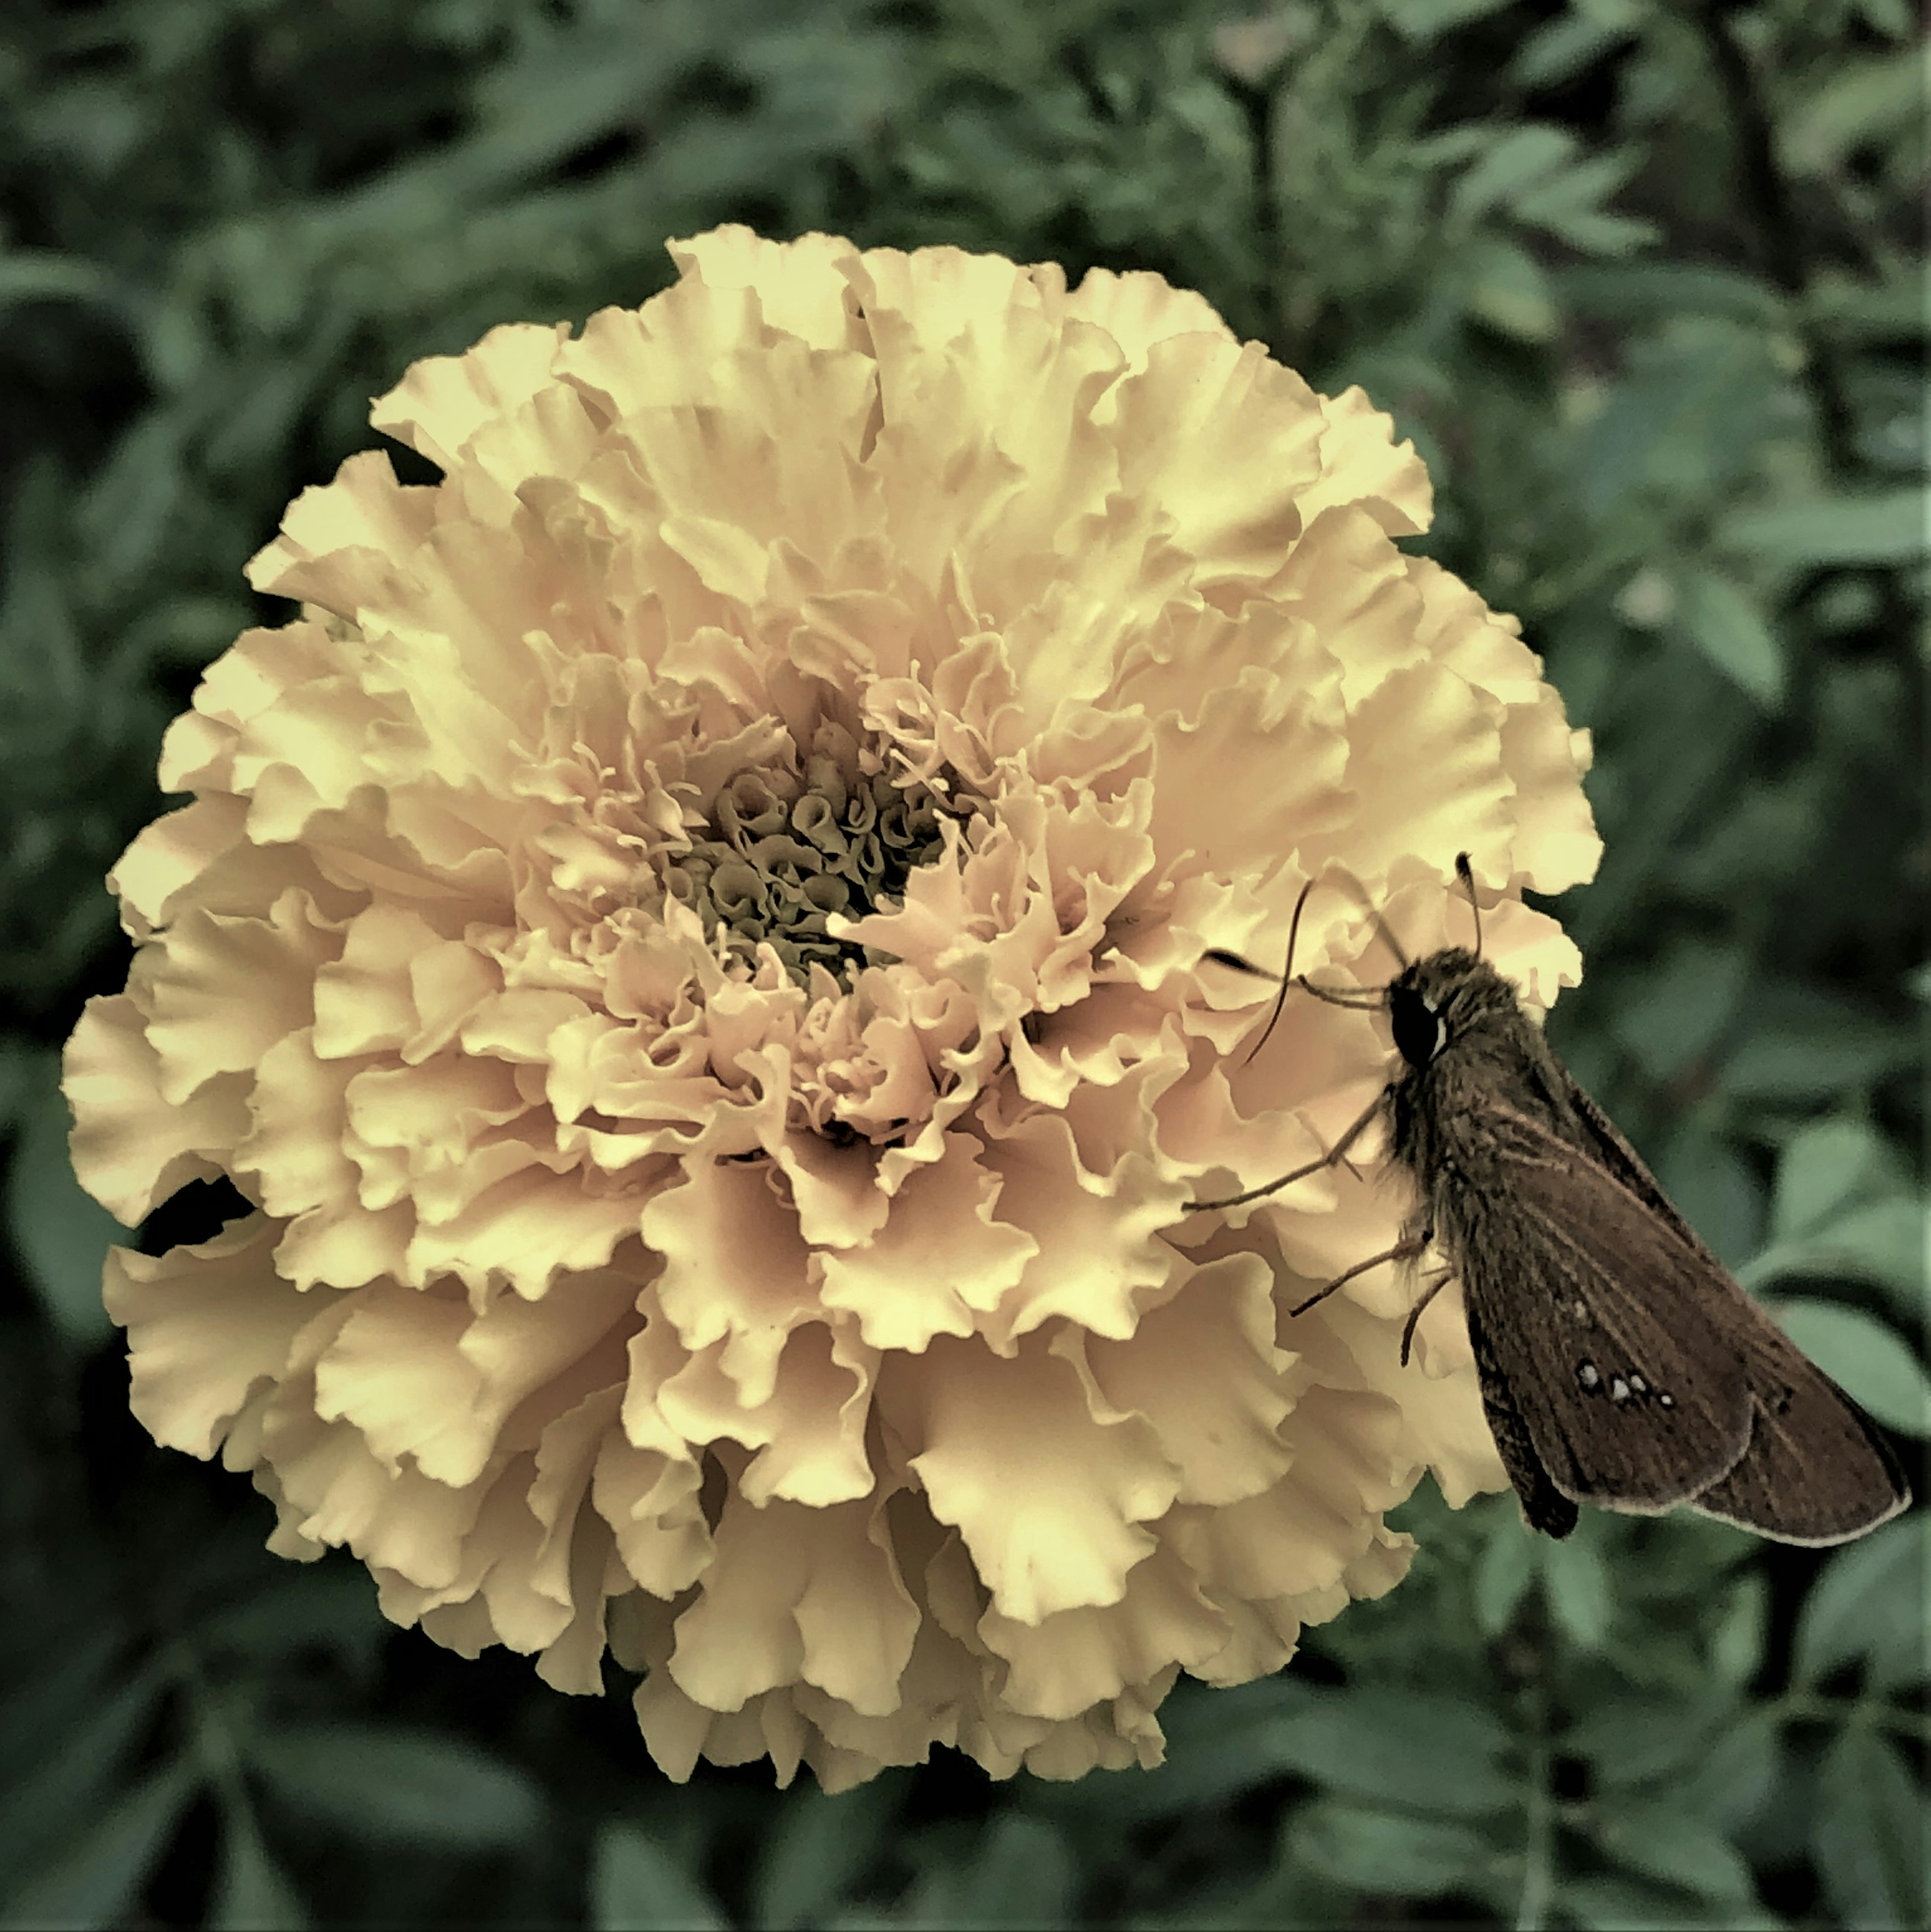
[[778, 855]]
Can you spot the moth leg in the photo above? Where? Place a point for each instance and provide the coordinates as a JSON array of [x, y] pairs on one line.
[[1434, 1287], [1402, 1251], [1330, 1158]]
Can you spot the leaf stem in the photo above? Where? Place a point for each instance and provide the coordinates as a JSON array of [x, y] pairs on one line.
[[1539, 1833], [1776, 233]]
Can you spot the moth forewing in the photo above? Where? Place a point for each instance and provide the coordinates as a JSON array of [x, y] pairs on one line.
[[1816, 1470], [1634, 1398]]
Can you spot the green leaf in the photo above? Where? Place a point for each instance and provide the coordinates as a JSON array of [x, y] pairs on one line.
[[1868, 1840], [1567, 47], [1506, 286], [1630, 1740], [820, 1851], [1672, 1014], [1576, 1582], [1824, 1167], [56, 1692], [1807, 1046], [1844, 1207], [20, 1078], [330, 1605], [1020, 1873], [64, 1772], [60, 1232], [1737, 1646], [1715, 1188], [638, 1886], [1392, 1853], [252, 1892], [1651, 292], [1422, 21], [1421, 1749], [45, 274], [1867, 1606], [1674, 429], [93, 1881], [1892, 18], [1219, 1745], [1887, 526], [393, 1784], [1869, 1360], [1662, 1841], [1883, 1242], [1571, 44], [1718, 617], [1734, 1778], [1503, 1576], [1566, 205], [1513, 165], [1863, 101], [1625, 1905]]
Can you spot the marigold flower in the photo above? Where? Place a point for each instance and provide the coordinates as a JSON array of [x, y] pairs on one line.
[[694, 945]]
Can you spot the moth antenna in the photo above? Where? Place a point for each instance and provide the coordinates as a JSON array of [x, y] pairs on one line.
[[1384, 932], [1372, 998], [1463, 872], [1387, 936], [1286, 975], [1360, 999]]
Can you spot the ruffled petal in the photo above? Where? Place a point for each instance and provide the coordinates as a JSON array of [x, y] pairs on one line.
[[131, 1146], [206, 1324], [1047, 1484]]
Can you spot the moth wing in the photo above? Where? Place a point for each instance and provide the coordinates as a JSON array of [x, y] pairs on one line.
[[1606, 1142], [1544, 1506], [1615, 1296], [1815, 1471]]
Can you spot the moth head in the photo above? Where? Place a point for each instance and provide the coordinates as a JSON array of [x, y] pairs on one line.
[[1439, 999]]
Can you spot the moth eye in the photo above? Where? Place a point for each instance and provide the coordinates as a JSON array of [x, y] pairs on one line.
[[1419, 1029], [1586, 1374], [1666, 1399], [1619, 1390]]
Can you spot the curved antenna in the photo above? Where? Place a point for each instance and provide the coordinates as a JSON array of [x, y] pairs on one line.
[[1360, 999], [1463, 872], [1286, 975], [1383, 930]]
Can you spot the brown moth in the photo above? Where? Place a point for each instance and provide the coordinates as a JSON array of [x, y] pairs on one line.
[[1620, 1363]]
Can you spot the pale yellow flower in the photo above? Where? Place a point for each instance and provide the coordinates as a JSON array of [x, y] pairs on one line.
[[693, 943]]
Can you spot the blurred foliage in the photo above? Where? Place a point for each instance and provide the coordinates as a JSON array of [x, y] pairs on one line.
[[1644, 280]]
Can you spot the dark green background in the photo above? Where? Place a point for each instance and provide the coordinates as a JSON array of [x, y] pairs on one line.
[[1643, 280]]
